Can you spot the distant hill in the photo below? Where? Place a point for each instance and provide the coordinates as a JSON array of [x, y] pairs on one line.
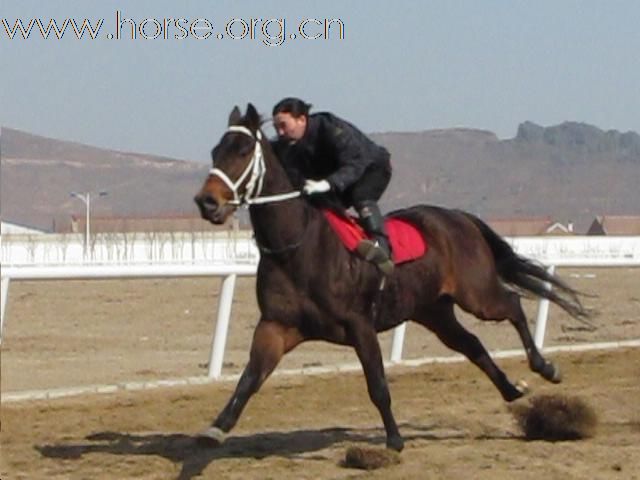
[[571, 172], [39, 173]]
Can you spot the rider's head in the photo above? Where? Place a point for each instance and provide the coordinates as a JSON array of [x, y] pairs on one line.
[[290, 117]]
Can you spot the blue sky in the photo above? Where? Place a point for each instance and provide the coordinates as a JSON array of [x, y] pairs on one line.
[[402, 65]]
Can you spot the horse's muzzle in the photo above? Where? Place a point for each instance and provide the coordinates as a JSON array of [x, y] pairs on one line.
[[209, 208]]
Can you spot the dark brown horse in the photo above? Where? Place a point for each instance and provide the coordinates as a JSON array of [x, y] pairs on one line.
[[309, 287]]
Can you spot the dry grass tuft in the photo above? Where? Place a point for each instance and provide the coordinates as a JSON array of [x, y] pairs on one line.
[[556, 418], [370, 458]]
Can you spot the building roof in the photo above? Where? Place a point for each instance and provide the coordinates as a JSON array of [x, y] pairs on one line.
[[558, 228], [10, 228], [615, 225], [515, 227]]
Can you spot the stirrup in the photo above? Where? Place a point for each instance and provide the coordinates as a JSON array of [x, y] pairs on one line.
[[372, 252]]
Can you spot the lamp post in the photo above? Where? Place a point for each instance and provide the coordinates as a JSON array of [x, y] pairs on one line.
[[86, 199]]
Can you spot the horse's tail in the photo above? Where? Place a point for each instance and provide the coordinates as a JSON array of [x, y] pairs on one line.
[[527, 275]]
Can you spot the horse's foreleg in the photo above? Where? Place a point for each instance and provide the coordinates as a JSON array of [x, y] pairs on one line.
[[271, 341], [367, 347]]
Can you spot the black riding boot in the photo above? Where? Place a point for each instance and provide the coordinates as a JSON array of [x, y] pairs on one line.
[[379, 251]]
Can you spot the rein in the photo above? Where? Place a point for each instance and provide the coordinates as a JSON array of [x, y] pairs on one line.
[[257, 168]]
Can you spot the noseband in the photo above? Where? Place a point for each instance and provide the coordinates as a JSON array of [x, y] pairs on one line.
[[255, 170]]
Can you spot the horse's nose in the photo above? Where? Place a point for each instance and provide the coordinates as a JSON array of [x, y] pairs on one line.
[[206, 202]]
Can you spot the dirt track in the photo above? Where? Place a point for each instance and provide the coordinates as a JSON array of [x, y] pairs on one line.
[[456, 426]]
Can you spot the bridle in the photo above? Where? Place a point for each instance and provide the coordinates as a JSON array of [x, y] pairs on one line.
[[256, 171]]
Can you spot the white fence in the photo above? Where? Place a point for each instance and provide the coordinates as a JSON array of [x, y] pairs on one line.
[[588, 251], [129, 248], [238, 247], [220, 256]]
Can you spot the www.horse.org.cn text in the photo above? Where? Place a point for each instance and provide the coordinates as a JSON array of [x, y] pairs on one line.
[[271, 32]]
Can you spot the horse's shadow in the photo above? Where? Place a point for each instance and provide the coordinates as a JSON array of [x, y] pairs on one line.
[[195, 457]]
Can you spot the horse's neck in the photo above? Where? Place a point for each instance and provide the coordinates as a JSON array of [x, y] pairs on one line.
[[282, 223]]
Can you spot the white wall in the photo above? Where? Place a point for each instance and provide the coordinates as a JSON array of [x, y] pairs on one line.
[[580, 250], [225, 247], [130, 248]]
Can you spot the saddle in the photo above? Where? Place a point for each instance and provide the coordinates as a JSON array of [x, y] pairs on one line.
[[407, 242]]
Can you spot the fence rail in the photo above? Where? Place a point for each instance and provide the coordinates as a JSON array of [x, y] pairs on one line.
[[551, 251]]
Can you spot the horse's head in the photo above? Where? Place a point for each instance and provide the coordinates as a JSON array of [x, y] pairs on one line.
[[238, 168]]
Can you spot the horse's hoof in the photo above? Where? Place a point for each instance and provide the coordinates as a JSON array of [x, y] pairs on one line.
[[515, 392], [551, 373], [211, 437], [522, 387], [395, 443]]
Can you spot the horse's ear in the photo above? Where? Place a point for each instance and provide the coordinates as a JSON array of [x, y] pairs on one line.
[[235, 116], [252, 116]]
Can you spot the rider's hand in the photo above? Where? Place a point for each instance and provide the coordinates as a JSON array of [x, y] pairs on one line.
[[312, 187]]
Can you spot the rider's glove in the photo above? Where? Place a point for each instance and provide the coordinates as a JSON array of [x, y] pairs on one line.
[[312, 187]]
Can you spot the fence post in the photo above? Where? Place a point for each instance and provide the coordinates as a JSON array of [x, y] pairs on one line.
[[543, 313], [398, 342], [222, 326], [5, 296]]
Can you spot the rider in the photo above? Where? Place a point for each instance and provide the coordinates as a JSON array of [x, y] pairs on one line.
[[327, 154]]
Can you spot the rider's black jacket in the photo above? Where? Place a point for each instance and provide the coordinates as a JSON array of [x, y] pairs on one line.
[[331, 149]]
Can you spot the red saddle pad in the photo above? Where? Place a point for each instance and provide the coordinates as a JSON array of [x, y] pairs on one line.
[[407, 243]]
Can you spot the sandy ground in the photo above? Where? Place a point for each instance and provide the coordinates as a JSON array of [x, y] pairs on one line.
[[454, 422], [63, 334]]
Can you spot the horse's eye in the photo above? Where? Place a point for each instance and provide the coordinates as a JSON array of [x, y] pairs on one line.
[[246, 149]]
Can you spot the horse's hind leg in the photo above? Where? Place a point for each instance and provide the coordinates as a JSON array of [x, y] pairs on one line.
[[498, 303], [441, 320], [537, 363], [366, 344], [271, 341]]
